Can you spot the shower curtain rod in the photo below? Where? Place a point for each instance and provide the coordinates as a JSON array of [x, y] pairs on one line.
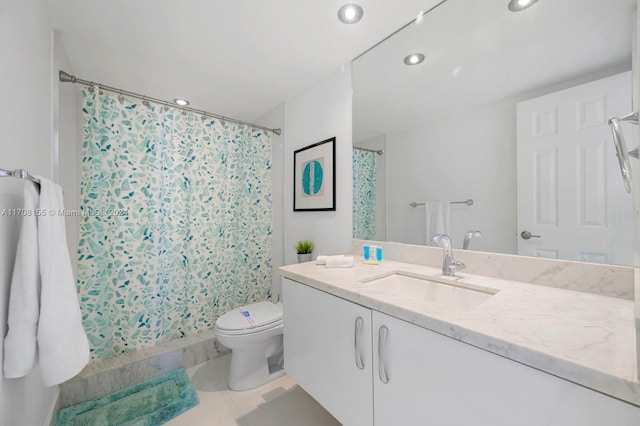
[[68, 78], [377, 151]]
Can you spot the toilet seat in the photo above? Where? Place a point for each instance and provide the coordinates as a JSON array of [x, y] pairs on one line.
[[250, 319], [221, 331]]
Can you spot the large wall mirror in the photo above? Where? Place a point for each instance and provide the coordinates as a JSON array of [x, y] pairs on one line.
[[500, 136]]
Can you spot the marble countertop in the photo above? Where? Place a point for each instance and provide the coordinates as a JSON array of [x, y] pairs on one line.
[[584, 338]]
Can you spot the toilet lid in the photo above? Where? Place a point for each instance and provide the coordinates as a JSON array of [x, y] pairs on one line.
[[251, 316]]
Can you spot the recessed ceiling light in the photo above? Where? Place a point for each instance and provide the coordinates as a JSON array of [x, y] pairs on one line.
[[350, 13], [414, 59], [181, 102], [518, 5]]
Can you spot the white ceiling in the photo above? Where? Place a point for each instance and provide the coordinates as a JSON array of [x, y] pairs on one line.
[[238, 58], [478, 52]]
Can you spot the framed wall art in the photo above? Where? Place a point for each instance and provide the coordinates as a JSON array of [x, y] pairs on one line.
[[314, 177]]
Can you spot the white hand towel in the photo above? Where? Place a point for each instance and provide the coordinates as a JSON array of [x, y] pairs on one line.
[[24, 296], [438, 216], [63, 347], [322, 260], [339, 262]]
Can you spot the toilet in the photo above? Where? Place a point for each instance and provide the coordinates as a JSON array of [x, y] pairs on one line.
[[254, 335]]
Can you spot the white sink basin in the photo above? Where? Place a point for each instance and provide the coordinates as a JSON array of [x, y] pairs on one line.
[[447, 294]]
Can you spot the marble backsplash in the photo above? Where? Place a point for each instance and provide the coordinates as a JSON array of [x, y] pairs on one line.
[[605, 280]]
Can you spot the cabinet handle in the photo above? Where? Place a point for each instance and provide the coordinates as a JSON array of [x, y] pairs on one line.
[[382, 346], [356, 342]]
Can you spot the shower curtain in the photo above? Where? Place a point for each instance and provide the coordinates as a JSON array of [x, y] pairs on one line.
[[364, 195], [176, 222]]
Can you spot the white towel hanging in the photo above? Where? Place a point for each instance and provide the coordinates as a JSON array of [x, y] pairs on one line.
[[48, 298], [438, 219], [63, 347], [24, 296]]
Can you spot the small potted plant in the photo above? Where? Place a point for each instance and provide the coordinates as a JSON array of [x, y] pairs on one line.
[[304, 249]]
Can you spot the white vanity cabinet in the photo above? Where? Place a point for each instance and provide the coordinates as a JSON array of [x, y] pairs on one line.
[[436, 380], [414, 376], [327, 347]]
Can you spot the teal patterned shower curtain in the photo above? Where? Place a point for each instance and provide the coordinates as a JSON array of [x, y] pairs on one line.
[[364, 195], [175, 222]]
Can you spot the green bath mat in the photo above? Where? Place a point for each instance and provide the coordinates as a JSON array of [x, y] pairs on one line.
[[150, 403]]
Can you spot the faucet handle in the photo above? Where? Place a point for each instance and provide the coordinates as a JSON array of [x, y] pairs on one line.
[[457, 265], [438, 237]]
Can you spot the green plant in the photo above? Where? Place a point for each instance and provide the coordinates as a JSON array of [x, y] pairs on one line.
[[304, 247]]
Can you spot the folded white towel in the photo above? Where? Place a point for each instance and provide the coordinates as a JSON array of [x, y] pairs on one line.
[[63, 347], [339, 262], [24, 296], [322, 260], [438, 219]]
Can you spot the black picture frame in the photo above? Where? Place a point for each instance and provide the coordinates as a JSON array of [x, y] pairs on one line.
[[314, 177]]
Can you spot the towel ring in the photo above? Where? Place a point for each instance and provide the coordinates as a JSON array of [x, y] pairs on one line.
[[621, 146]]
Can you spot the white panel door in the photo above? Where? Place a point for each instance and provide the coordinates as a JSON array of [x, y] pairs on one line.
[[570, 193], [327, 351], [436, 380]]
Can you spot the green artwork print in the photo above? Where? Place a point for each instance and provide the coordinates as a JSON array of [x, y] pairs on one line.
[[312, 177], [196, 241]]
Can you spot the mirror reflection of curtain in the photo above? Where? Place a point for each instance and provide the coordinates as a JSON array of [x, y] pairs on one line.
[[194, 240], [364, 195]]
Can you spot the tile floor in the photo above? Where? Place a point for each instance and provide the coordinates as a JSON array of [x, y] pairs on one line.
[[278, 403]]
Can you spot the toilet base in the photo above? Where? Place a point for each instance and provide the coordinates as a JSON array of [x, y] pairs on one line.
[[242, 378]]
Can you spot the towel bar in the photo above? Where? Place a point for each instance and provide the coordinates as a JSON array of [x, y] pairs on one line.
[[18, 173], [468, 202]]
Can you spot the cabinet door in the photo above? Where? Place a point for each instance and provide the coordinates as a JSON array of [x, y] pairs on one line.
[[436, 380], [327, 351]]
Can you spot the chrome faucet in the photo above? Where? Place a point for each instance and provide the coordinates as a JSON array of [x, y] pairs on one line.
[[467, 238], [449, 266]]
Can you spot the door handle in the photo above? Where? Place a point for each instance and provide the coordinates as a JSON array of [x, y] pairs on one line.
[[527, 235], [382, 345], [356, 342]]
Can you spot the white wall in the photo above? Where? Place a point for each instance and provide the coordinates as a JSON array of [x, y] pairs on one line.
[[318, 114], [454, 159], [25, 119], [67, 134], [274, 119], [379, 143]]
